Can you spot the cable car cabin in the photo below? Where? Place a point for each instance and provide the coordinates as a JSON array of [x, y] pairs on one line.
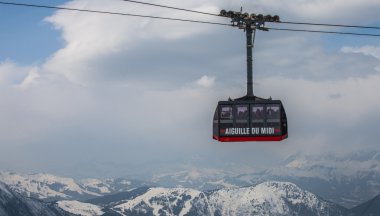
[[250, 119]]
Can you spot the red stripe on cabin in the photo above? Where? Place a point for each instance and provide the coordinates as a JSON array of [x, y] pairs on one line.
[[248, 139]]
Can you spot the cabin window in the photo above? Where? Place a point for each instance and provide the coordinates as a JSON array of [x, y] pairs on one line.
[[226, 113], [273, 115], [273, 112], [226, 119], [242, 116], [257, 115]]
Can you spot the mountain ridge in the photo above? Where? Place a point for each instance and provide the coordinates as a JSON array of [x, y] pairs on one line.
[[14, 204], [347, 180], [268, 198]]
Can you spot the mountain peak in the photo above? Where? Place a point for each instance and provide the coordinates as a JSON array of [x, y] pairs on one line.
[[268, 198]]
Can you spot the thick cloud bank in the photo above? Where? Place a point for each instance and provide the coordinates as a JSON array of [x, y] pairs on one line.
[[124, 94]]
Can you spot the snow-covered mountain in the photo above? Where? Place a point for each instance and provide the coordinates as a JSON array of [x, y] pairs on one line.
[[331, 167], [46, 186], [50, 187], [347, 180], [272, 198], [196, 178], [269, 198], [80, 208], [14, 204]]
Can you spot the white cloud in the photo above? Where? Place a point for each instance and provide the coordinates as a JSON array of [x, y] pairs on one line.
[[206, 81], [373, 51], [313, 99], [90, 37], [12, 74], [335, 11], [136, 116], [93, 40]]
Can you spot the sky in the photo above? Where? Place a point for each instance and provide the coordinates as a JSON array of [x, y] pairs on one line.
[[93, 95]]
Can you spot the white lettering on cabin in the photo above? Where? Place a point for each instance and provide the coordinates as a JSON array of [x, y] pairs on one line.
[[255, 131], [267, 130], [248, 131], [237, 131]]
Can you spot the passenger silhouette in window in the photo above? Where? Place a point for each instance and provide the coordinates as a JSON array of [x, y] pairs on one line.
[[242, 112], [257, 112]]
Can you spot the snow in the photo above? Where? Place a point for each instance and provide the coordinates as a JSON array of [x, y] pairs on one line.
[[43, 185], [269, 198], [80, 208], [69, 184], [192, 174], [298, 163], [125, 182], [96, 184], [29, 184], [238, 201], [329, 167], [163, 196], [186, 208]]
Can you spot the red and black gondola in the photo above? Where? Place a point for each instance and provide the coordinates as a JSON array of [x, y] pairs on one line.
[[250, 119]]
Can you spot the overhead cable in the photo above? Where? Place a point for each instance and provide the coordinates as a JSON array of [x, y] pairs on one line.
[[193, 21], [331, 25], [111, 13], [170, 7], [284, 22], [321, 31]]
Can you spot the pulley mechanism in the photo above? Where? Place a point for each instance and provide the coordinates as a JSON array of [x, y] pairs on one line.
[[249, 23]]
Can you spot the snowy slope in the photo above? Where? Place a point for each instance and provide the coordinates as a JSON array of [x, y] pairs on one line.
[[45, 186], [346, 179], [331, 167], [50, 187], [95, 185], [270, 198], [80, 208], [160, 201], [14, 204]]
